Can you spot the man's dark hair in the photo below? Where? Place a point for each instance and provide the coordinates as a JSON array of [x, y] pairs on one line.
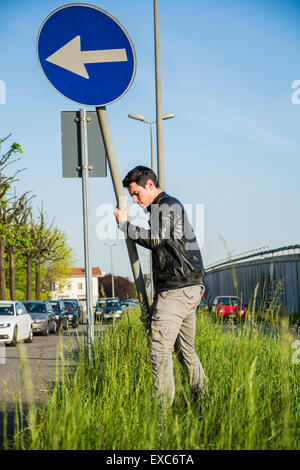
[[140, 175]]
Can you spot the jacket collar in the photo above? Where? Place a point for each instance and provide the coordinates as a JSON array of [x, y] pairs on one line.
[[158, 197]]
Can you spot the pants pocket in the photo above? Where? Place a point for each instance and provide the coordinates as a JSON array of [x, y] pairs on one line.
[[189, 292]]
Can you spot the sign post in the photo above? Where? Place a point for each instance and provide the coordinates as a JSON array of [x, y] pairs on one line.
[[88, 56], [86, 228]]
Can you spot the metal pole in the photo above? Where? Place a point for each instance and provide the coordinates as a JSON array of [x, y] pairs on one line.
[[121, 201], [112, 273], [150, 254], [151, 146], [86, 228], [159, 126]]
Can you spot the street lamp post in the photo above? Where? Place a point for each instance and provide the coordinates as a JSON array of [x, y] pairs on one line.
[[159, 116], [112, 267], [140, 117]]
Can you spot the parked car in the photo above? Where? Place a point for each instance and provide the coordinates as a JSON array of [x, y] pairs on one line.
[[229, 306], [15, 323], [42, 315], [134, 301], [61, 314], [73, 312], [108, 309], [128, 304], [78, 307]]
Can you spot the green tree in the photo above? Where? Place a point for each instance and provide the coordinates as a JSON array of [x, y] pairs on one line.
[[58, 267], [47, 242], [18, 212], [6, 214]]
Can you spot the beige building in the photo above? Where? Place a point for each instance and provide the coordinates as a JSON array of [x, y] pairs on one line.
[[75, 286]]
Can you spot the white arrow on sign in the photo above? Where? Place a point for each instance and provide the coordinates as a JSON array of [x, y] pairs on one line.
[[72, 58]]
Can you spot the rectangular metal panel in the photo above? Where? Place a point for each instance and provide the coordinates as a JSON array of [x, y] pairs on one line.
[[71, 147]]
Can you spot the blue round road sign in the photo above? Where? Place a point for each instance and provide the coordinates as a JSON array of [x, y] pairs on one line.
[[86, 54]]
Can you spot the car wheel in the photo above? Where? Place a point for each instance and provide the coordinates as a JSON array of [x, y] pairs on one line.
[[46, 331], [30, 337], [14, 340]]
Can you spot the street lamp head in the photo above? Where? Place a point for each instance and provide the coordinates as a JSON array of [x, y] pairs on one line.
[[139, 117], [168, 116]]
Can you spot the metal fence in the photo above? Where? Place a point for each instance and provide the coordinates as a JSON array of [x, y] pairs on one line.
[[273, 274]]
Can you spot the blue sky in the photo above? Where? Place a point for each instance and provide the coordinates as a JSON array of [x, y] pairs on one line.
[[227, 68]]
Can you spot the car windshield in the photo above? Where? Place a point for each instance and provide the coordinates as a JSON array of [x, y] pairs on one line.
[[35, 307], [69, 304], [113, 303], [55, 306], [229, 301], [6, 309]]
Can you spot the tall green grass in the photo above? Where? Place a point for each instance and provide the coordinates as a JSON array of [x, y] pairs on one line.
[[107, 403]]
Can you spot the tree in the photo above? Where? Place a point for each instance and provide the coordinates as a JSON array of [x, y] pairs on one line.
[[6, 214], [59, 266], [19, 214], [47, 241], [27, 248], [124, 288]]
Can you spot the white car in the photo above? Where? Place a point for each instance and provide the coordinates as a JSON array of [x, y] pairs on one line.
[[15, 323]]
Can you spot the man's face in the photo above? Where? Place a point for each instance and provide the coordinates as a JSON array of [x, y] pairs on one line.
[[142, 196]]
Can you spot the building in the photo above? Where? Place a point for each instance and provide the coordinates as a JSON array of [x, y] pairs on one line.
[[75, 285]]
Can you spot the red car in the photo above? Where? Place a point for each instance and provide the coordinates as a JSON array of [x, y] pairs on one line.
[[229, 307]]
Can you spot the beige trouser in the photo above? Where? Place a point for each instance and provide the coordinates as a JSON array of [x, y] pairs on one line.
[[173, 326]]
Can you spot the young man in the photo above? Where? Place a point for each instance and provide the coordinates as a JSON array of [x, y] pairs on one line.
[[178, 276]]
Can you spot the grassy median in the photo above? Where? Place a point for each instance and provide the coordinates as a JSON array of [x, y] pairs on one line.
[[107, 403]]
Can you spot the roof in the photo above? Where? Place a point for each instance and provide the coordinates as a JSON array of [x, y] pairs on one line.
[[81, 272], [228, 296]]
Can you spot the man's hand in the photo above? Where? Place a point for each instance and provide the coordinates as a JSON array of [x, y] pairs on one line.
[[121, 216], [151, 311]]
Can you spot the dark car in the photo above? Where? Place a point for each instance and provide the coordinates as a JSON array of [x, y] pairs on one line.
[[61, 314], [42, 315], [78, 306], [108, 309], [73, 313]]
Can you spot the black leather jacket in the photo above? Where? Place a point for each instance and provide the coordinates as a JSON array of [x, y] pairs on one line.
[[176, 257]]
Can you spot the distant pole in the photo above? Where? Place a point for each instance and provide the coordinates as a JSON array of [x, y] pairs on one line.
[[86, 228], [141, 117], [112, 267], [159, 127], [112, 273]]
